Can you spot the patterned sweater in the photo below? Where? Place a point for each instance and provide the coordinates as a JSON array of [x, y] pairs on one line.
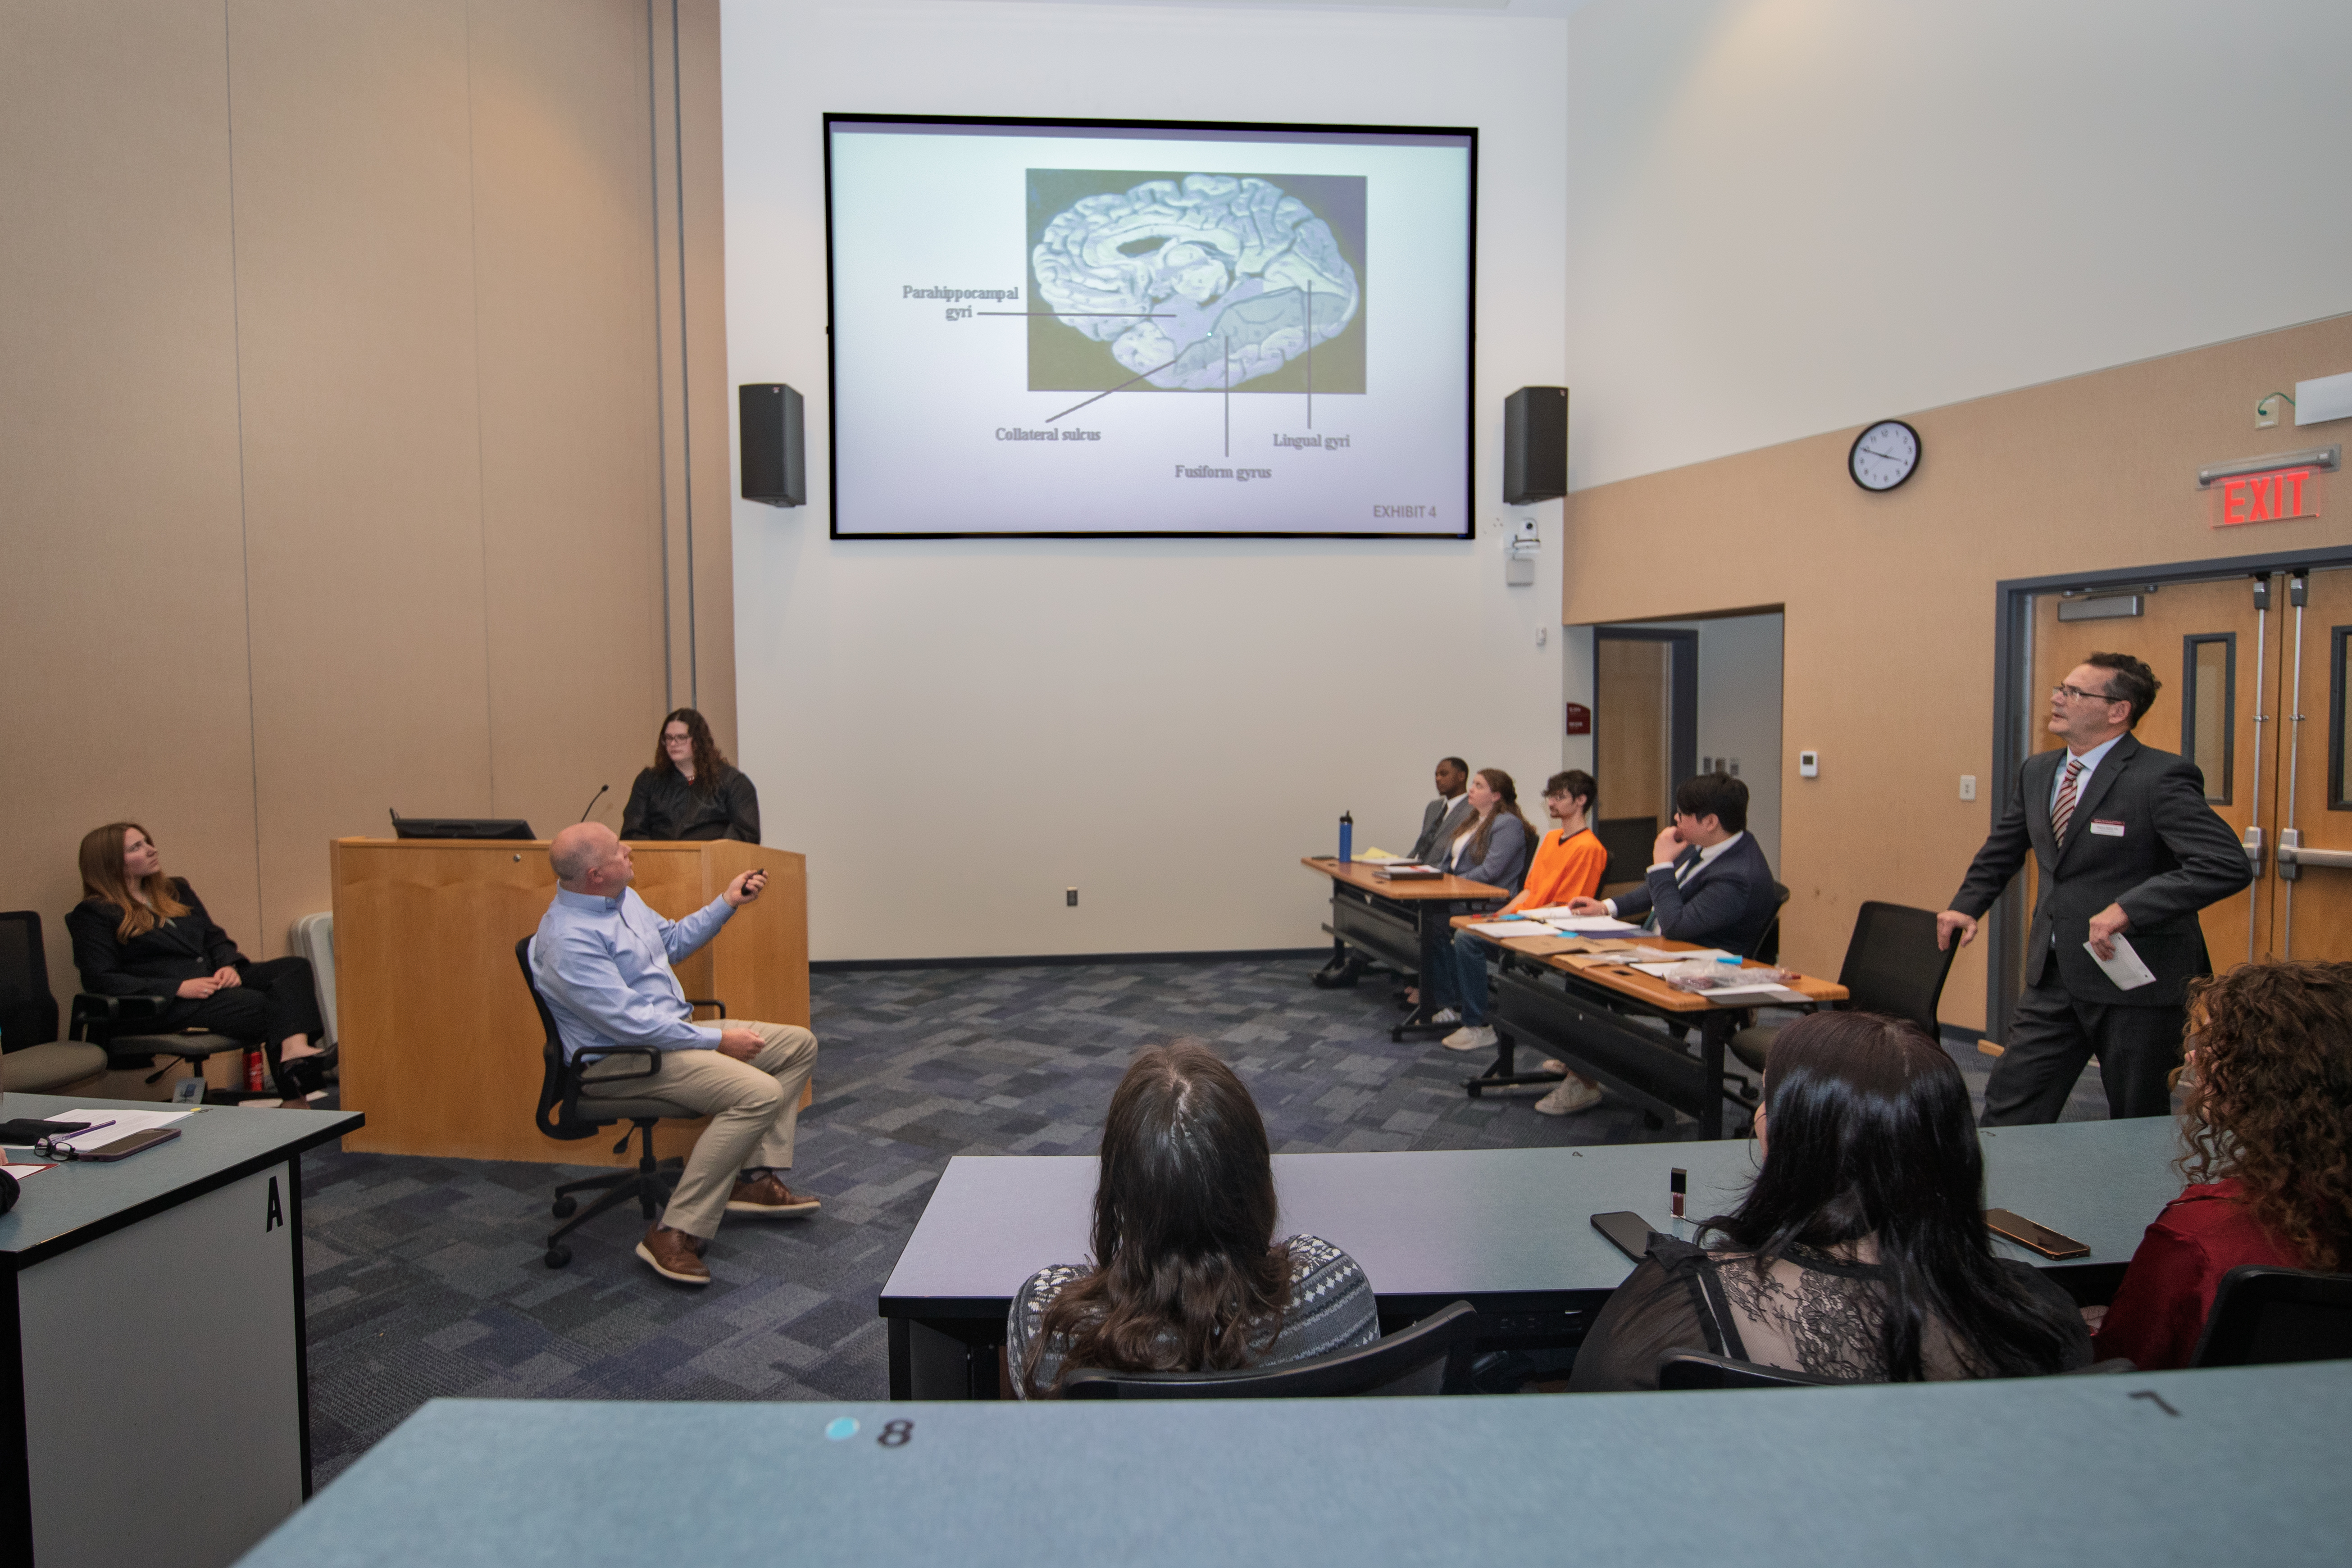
[[1332, 1308]]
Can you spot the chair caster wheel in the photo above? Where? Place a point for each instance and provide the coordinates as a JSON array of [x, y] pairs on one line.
[[557, 1256], [564, 1207]]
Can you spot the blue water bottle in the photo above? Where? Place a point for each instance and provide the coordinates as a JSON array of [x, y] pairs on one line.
[[1346, 838]]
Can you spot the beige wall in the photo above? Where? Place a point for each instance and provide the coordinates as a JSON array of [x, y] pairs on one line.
[[1889, 598], [344, 423]]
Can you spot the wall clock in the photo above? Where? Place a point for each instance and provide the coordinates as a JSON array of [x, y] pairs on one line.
[[1884, 456]]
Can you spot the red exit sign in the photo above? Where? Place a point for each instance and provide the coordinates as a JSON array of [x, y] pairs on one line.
[[2268, 497]]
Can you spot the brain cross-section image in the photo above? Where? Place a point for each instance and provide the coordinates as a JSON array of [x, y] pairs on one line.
[[1199, 283]]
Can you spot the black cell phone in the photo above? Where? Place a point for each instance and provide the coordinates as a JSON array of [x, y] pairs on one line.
[[1628, 1232], [2040, 1238], [130, 1144]]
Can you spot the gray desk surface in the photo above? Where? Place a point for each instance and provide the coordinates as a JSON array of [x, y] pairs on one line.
[[2037, 1470], [69, 1203], [1497, 1220]]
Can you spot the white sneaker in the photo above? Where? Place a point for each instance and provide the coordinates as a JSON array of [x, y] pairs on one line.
[[1573, 1094], [1446, 1016], [1471, 1037]]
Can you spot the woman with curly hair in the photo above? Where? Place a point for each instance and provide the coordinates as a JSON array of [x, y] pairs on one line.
[[1188, 1276], [691, 791], [2268, 1118]]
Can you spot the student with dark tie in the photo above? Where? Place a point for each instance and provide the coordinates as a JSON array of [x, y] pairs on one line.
[[2126, 847], [1708, 882], [1443, 819]]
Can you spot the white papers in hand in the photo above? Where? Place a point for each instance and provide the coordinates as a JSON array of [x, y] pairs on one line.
[[120, 1124], [2125, 968], [1583, 923], [1511, 929]]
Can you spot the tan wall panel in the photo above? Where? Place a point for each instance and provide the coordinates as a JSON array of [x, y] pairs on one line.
[[121, 587], [1889, 599], [710, 395], [571, 486]]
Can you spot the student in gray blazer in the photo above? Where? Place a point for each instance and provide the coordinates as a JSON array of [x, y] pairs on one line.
[[2126, 847], [1493, 847], [1441, 819]]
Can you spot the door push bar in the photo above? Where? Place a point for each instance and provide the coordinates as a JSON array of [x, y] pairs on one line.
[[2293, 857]]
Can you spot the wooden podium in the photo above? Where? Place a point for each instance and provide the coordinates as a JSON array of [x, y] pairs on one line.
[[440, 1046]]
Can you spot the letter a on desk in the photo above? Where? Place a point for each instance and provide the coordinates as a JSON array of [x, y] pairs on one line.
[[275, 1216]]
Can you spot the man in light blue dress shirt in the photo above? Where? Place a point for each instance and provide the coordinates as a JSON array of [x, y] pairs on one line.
[[602, 959]]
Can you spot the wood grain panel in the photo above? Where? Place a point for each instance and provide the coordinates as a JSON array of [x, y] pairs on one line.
[[363, 440], [441, 1045], [122, 660], [1633, 698], [1889, 598], [570, 456]]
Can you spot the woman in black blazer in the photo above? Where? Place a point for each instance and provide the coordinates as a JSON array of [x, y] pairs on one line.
[[138, 933], [691, 791]]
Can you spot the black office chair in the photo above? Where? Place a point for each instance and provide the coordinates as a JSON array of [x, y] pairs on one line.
[[2264, 1316], [560, 1115], [33, 1058], [1431, 1357], [1688, 1370], [1685, 1370], [1766, 948], [1892, 966]]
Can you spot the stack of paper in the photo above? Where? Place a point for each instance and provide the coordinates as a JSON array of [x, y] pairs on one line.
[[1585, 923]]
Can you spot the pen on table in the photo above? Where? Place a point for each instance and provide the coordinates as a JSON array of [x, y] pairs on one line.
[[93, 1127]]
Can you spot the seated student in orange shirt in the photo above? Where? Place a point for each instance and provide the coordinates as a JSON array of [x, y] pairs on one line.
[[1568, 865]]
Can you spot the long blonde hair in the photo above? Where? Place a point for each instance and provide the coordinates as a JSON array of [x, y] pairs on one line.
[[104, 879]]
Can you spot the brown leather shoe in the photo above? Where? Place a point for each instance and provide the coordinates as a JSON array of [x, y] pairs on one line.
[[768, 1198], [673, 1255]]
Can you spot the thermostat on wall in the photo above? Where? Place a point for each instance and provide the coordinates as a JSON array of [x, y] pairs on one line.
[[1809, 764]]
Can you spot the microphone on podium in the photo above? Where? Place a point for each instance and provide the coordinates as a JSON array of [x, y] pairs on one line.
[[591, 801]]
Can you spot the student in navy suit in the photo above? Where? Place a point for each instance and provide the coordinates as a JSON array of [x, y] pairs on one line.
[[1708, 882], [2126, 846]]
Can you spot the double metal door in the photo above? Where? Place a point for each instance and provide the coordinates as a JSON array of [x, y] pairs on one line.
[[2258, 673]]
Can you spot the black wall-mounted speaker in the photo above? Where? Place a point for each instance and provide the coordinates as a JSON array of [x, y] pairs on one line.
[[1534, 445], [775, 459]]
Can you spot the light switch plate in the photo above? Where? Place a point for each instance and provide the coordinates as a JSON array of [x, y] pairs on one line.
[[1809, 764], [1968, 786]]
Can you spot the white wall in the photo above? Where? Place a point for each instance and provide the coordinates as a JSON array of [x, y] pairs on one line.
[[956, 732], [1788, 216]]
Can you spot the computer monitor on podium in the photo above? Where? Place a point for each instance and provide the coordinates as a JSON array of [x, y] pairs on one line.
[[460, 827]]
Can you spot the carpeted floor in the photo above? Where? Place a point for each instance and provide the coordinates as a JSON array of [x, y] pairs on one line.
[[425, 1276]]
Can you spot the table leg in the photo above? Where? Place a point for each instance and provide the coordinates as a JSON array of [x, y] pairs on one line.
[[1714, 1033]]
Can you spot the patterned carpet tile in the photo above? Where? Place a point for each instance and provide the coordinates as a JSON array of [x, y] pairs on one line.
[[425, 1277]]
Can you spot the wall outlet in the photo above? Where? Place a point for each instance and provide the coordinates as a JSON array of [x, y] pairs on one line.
[[1070, 896], [1968, 786], [1809, 764]]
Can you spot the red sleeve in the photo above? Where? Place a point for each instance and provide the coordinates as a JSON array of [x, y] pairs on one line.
[[2161, 1309]]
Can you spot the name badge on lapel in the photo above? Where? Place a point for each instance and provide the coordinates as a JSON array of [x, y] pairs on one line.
[[2106, 829]]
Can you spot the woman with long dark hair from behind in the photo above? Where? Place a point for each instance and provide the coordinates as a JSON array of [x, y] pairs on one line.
[[691, 791], [1860, 1251], [1188, 1276], [2268, 1119]]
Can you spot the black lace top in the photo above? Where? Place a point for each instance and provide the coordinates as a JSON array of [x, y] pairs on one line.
[[1808, 1312]]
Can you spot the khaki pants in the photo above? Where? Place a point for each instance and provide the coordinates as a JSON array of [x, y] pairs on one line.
[[755, 1109]]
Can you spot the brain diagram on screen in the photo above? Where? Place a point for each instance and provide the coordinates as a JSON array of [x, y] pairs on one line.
[[1202, 283]]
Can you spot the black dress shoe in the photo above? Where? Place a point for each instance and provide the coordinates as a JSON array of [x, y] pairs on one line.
[[300, 1078]]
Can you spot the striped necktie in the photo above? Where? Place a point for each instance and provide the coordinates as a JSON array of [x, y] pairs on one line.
[[2064, 812]]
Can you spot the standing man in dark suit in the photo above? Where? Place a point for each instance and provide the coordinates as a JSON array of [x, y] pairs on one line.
[[1708, 882], [2126, 845], [1443, 819]]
